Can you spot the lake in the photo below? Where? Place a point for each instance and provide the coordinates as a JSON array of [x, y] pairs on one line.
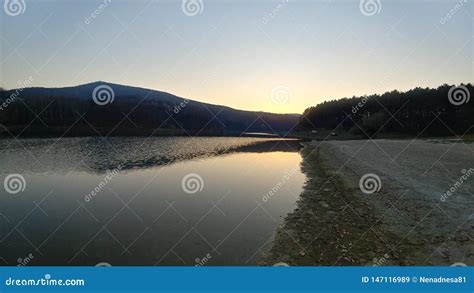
[[144, 201]]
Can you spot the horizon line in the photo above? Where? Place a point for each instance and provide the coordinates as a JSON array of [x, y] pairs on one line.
[[27, 86]]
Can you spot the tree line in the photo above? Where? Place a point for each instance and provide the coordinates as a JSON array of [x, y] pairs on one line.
[[445, 110]]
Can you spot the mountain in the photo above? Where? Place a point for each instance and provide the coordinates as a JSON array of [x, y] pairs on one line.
[[102, 108]]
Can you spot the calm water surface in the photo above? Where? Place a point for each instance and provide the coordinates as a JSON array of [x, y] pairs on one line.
[[226, 214]]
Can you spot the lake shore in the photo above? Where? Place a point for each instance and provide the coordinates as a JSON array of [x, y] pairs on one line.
[[411, 220]]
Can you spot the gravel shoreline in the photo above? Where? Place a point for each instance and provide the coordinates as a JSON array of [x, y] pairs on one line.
[[421, 212]]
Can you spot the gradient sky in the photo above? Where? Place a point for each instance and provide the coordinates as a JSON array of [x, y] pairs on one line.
[[229, 54]]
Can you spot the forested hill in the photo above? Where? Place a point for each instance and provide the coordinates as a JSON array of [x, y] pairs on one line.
[[112, 109], [421, 111]]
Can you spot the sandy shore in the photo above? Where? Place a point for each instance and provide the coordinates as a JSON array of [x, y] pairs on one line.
[[410, 219]]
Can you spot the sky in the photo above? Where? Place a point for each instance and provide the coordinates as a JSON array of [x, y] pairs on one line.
[[277, 56]]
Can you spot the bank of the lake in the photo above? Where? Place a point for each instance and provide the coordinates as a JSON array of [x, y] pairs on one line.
[[406, 222], [331, 225]]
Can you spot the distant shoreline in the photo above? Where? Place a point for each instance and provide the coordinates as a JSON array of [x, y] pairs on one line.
[[56, 132]]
